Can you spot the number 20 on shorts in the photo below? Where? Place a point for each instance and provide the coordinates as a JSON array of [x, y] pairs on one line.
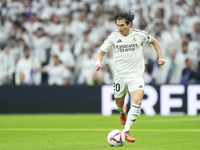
[[116, 87]]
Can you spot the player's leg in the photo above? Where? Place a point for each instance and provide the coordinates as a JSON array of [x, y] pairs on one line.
[[120, 101], [136, 88], [137, 97], [121, 108], [120, 90]]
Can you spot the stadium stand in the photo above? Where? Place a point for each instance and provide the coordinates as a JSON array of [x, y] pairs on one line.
[[73, 30]]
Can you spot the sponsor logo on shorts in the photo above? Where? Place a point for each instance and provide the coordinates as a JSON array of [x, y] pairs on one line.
[[140, 86]]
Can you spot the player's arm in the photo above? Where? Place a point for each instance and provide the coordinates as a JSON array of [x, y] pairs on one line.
[[105, 47], [157, 47], [99, 59]]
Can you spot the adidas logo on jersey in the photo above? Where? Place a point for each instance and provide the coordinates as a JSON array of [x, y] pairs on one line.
[[119, 41], [140, 86]]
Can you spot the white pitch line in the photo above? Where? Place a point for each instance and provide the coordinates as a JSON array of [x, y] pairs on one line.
[[98, 130], [169, 120]]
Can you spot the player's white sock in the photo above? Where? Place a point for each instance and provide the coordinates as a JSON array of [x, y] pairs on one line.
[[121, 109], [132, 115]]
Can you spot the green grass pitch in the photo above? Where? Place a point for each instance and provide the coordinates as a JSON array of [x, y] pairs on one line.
[[89, 132]]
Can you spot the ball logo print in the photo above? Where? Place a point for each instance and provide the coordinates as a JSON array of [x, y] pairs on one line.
[[116, 138]]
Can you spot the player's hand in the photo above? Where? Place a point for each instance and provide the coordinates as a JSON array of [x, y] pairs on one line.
[[161, 61], [97, 67]]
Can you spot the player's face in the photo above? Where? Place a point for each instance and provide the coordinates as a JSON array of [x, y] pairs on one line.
[[123, 28]]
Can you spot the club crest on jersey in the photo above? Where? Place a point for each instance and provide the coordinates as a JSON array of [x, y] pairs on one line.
[[134, 39]]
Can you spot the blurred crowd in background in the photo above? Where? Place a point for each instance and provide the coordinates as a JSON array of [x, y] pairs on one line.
[[55, 42]]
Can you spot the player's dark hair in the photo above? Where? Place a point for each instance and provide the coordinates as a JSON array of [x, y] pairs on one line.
[[121, 14]]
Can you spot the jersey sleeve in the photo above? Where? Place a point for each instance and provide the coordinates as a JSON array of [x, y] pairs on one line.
[[107, 44], [146, 37]]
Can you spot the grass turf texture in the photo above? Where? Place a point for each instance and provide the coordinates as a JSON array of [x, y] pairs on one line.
[[89, 132]]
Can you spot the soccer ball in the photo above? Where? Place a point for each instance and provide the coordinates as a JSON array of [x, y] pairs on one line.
[[116, 138]]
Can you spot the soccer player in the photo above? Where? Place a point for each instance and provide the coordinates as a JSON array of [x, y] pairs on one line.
[[129, 62]]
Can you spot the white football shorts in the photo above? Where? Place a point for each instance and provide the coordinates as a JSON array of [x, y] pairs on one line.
[[122, 85]]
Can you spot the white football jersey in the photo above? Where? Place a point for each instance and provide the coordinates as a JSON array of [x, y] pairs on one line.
[[128, 56]]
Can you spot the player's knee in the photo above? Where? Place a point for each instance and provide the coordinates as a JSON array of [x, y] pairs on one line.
[[119, 104], [137, 101]]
